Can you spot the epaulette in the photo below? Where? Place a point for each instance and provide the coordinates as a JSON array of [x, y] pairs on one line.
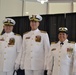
[[26, 32], [71, 42], [43, 31], [53, 42], [17, 34]]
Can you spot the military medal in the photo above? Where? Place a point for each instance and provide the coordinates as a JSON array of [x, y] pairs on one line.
[[11, 41], [69, 52], [38, 38]]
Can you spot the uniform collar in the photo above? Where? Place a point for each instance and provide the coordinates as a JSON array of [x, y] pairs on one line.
[[64, 41], [9, 33], [34, 31]]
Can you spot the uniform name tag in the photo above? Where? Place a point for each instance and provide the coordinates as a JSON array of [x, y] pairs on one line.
[[53, 49], [27, 37]]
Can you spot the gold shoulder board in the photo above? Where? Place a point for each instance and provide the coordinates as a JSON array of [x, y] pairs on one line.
[[43, 31], [26, 32], [17, 34], [53, 42], [72, 42]]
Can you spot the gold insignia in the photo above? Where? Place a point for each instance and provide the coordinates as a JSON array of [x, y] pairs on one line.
[[38, 38], [11, 41], [9, 21], [33, 18], [63, 29]]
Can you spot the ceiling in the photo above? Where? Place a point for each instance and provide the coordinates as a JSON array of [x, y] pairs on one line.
[[56, 1]]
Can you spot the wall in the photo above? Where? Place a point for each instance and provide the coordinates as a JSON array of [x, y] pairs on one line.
[[74, 7], [10, 8], [34, 8], [54, 8]]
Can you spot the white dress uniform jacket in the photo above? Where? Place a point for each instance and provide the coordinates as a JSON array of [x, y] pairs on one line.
[[61, 58], [9, 47], [35, 49]]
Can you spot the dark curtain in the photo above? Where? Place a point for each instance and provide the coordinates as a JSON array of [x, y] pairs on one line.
[[71, 25], [52, 23]]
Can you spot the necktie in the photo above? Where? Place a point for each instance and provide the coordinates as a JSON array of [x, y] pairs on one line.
[[61, 44]]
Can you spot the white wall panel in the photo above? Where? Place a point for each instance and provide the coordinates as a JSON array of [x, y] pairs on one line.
[[35, 8], [9, 8], [54, 8], [74, 7]]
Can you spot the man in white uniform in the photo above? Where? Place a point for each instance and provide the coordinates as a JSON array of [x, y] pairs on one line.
[[10, 44], [35, 48], [62, 55]]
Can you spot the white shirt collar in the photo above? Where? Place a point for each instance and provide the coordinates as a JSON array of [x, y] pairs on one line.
[[9, 33], [64, 41], [35, 30]]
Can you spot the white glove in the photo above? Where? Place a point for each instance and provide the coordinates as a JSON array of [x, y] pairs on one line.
[[16, 66]]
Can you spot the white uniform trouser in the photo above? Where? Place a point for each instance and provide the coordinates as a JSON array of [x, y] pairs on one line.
[[34, 72], [7, 73]]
